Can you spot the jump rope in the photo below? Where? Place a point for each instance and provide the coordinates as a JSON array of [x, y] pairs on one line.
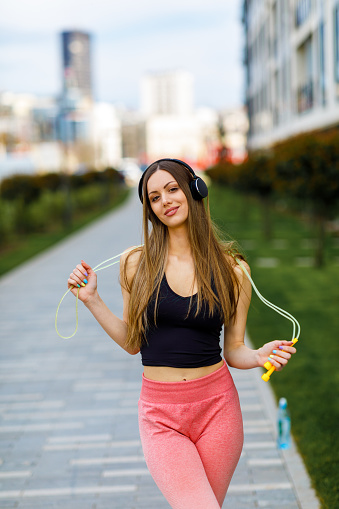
[[268, 365]]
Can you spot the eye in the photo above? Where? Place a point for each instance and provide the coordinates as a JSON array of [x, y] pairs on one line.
[[173, 189], [154, 199]]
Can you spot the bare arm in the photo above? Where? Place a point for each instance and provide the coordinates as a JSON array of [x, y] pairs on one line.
[[112, 325], [236, 353]]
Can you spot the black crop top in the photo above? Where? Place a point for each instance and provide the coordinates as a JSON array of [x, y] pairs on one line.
[[178, 340]]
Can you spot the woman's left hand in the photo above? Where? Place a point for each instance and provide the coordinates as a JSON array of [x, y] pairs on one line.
[[277, 352]]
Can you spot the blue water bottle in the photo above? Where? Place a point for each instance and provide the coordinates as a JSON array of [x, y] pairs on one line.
[[284, 425]]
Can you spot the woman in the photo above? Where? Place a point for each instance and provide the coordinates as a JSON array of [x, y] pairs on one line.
[[179, 289]]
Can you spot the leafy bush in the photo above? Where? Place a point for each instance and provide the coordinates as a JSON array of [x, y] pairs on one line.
[[41, 203], [25, 187], [88, 198], [6, 221], [50, 181], [30, 187], [303, 170], [309, 170]]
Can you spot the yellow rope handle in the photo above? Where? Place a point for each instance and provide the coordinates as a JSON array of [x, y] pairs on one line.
[[270, 368]]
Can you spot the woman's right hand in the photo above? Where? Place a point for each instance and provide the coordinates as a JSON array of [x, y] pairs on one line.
[[83, 276]]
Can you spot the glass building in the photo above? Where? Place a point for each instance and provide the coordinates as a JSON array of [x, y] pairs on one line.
[[292, 67], [77, 94], [77, 62]]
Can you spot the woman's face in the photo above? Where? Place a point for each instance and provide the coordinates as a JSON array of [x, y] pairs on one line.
[[167, 199]]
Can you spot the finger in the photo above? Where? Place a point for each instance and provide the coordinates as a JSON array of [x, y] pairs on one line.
[[81, 269], [78, 278], [78, 274], [72, 284], [277, 362], [279, 342], [281, 353], [75, 280], [73, 289], [71, 280], [87, 267], [285, 348]]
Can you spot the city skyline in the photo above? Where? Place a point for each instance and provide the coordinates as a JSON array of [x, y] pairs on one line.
[[129, 40]]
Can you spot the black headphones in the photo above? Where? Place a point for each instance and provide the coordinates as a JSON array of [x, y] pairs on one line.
[[198, 187]]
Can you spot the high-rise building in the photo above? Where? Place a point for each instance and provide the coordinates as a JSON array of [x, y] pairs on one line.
[[76, 98], [167, 93], [292, 67], [77, 63]]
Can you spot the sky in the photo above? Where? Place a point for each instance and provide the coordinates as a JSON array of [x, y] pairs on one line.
[[129, 39]]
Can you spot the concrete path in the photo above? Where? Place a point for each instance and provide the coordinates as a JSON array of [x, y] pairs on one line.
[[68, 431]]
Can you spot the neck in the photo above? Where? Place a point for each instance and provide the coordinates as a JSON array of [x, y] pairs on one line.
[[178, 242]]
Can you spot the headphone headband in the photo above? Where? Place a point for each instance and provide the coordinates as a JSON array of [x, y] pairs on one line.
[[198, 187]]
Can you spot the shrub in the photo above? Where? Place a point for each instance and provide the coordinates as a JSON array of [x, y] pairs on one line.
[[302, 170], [40, 203], [50, 181], [25, 187]]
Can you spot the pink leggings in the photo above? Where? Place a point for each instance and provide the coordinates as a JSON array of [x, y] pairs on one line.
[[192, 437]]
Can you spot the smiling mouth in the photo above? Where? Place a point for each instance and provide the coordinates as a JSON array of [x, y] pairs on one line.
[[171, 212]]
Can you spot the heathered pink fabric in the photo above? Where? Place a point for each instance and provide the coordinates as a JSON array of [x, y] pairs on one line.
[[192, 437]]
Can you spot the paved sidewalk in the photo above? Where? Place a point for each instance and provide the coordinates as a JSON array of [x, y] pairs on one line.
[[68, 430]]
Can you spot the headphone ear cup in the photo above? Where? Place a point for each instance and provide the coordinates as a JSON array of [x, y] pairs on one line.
[[198, 188]]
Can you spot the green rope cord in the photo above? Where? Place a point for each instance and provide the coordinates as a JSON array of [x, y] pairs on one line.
[[96, 269], [275, 308], [76, 314]]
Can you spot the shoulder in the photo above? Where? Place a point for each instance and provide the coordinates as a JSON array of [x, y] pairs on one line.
[[131, 255], [243, 274], [129, 262], [239, 265], [240, 268]]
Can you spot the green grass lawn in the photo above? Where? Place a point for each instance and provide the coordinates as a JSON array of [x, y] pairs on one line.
[[23, 247], [310, 382]]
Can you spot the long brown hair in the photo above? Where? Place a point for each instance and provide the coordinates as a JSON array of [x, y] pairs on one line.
[[209, 255]]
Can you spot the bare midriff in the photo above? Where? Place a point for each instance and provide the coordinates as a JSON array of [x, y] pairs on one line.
[[167, 374]]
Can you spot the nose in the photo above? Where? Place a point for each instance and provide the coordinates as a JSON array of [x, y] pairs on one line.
[[166, 198]]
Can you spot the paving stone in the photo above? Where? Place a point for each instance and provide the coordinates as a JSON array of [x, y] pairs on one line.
[[98, 387]]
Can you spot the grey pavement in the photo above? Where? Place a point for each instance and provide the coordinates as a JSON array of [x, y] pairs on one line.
[[68, 431]]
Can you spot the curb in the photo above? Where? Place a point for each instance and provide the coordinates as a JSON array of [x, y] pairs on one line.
[[293, 462]]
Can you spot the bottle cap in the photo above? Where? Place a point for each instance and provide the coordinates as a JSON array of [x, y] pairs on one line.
[[282, 403]]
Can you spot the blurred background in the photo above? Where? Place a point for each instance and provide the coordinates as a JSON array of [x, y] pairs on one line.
[[109, 82], [247, 92], [243, 89]]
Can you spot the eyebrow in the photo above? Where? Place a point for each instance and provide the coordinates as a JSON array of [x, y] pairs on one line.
[[168, 183]]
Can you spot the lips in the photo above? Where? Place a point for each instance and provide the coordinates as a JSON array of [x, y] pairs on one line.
[[171, 211]]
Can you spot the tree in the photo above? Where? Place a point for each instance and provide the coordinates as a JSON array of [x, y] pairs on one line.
[[310, 172]]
